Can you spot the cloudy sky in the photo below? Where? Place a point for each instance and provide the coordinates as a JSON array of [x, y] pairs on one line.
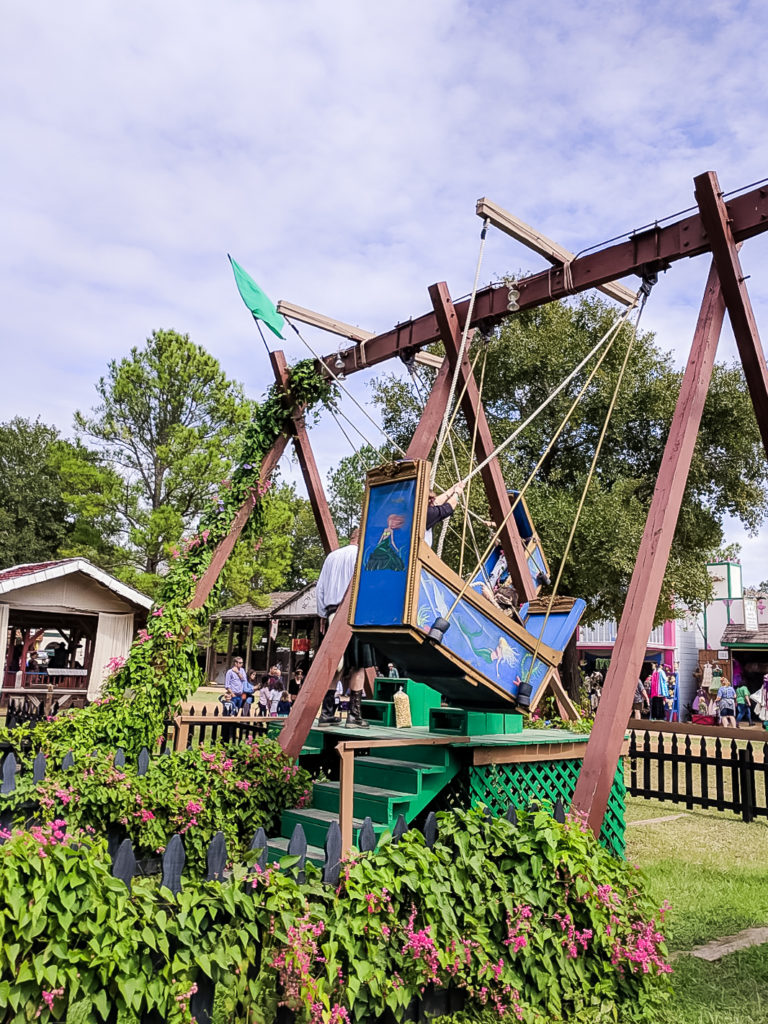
[[337, 150]]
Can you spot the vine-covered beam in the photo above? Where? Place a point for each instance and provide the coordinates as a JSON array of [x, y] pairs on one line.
[[656, 247]]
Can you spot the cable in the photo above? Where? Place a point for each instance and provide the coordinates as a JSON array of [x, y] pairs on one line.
[[345, 389], [460, 357]]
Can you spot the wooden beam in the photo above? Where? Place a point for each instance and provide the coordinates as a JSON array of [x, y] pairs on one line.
[[522, 232], [331, 650], [312, 479], [325, 323], [207, 581], [603, 749], [725, 253], [657, 246], [493, 478]]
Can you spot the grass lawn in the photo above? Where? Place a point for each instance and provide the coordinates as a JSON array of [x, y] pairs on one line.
[[714, 871]]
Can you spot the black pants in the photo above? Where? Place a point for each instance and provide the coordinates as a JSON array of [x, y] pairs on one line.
[[657, 708]]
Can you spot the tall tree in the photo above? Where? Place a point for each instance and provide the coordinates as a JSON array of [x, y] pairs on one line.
[[168, 421], [54, 498], [346, 487], [526, 359]]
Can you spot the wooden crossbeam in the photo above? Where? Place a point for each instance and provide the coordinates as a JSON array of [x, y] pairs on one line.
[[552, 251], [656, 247]]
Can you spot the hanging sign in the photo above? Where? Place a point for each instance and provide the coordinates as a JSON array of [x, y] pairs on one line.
[[750, 615], [300, 644], [274, 625]]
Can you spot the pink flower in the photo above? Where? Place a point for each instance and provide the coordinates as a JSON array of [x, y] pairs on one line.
[[158, 612], [193, 807], [242, 784], [168, 635], [143, 636], [115, 664]]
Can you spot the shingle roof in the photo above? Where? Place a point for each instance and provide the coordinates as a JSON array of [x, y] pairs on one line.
[[737, 632], [18, 576], [252, 611]]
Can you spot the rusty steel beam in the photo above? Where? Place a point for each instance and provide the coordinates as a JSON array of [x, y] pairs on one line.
[[317, 499], [714, 214], [655, 247], [605, 742]]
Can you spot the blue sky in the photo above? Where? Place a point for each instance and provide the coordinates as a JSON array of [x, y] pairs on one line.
[[337, 151]]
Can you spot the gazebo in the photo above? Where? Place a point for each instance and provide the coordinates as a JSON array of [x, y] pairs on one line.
[[80, 613], [289, 629]]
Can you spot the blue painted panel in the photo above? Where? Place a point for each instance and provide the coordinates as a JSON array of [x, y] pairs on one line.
[[560, 625], [386, 551], [476, 638]]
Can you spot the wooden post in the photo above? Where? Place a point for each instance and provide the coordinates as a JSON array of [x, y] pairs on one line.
[[323, 668], [230, 641], [306, 456], [346, 796], [493, 478], [250, 645], [180, 733], [603, 749], [207, 581], [725, 253]]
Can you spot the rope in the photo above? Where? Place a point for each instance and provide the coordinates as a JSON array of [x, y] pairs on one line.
[[472, 450], [645, 290], [612, 330], [460, 358], [351, 443], [494, 539], [346, 390]]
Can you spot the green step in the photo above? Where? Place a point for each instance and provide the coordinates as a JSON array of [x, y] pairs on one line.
[[379, 712], [278, 847], [403, 776], [315, 821], [314, 743], [369, 801], [438, 754], [448, 721]]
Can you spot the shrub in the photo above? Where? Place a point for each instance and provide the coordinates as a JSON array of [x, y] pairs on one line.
[[235, 788], [534, 922]]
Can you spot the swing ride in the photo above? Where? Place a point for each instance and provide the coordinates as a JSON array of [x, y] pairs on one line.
[[431, 624]]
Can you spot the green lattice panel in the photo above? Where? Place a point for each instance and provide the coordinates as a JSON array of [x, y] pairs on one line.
[[498, 785]]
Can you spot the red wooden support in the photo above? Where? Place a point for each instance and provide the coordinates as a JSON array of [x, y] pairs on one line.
[[725, 253], [657, 246], [472, 407], [323, 667], [317, 498], [604, 746], [207, 581]]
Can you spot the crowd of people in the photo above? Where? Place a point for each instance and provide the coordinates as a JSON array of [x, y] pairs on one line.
[[245, 693]]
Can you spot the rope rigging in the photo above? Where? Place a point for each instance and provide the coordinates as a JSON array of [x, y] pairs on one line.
[[442, 623]]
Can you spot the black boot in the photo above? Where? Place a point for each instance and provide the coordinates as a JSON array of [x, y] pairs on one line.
[[355, 713], [328, 714]]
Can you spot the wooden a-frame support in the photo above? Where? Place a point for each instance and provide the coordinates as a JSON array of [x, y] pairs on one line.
[[718, 228]]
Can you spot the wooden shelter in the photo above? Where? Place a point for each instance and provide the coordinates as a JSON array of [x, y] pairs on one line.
[[92, 614], [287, 630]]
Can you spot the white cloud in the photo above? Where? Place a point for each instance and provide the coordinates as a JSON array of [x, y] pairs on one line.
[[337, 151]]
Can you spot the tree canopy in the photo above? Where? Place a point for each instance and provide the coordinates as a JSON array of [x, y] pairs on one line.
[[526, 359], [55, 497], [168, 422]]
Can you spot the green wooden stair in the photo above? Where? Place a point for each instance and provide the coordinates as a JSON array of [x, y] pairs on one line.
[[387, 783]]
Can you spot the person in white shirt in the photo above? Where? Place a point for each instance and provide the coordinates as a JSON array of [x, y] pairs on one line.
[[335, 577]]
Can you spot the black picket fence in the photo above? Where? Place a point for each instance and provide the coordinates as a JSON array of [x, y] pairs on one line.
[[432, 1002], [22, 711], [724, 777]]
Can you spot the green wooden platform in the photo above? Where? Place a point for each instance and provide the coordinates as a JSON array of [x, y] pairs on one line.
[[494, 768]]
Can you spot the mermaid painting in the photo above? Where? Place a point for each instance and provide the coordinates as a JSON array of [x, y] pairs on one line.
[[386, 554]]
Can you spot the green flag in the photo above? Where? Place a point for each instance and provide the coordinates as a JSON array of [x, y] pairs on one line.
[[260, 305]]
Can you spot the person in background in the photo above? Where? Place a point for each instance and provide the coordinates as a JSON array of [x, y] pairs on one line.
[[284, 706], [227, 703], [726, 703], [743, 709], [235, 680], [441, 506], [640, 700], [274, 694], [392, 671], [59, 659], [659, 693], [335, 577], [264, 697], [295, 684]]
